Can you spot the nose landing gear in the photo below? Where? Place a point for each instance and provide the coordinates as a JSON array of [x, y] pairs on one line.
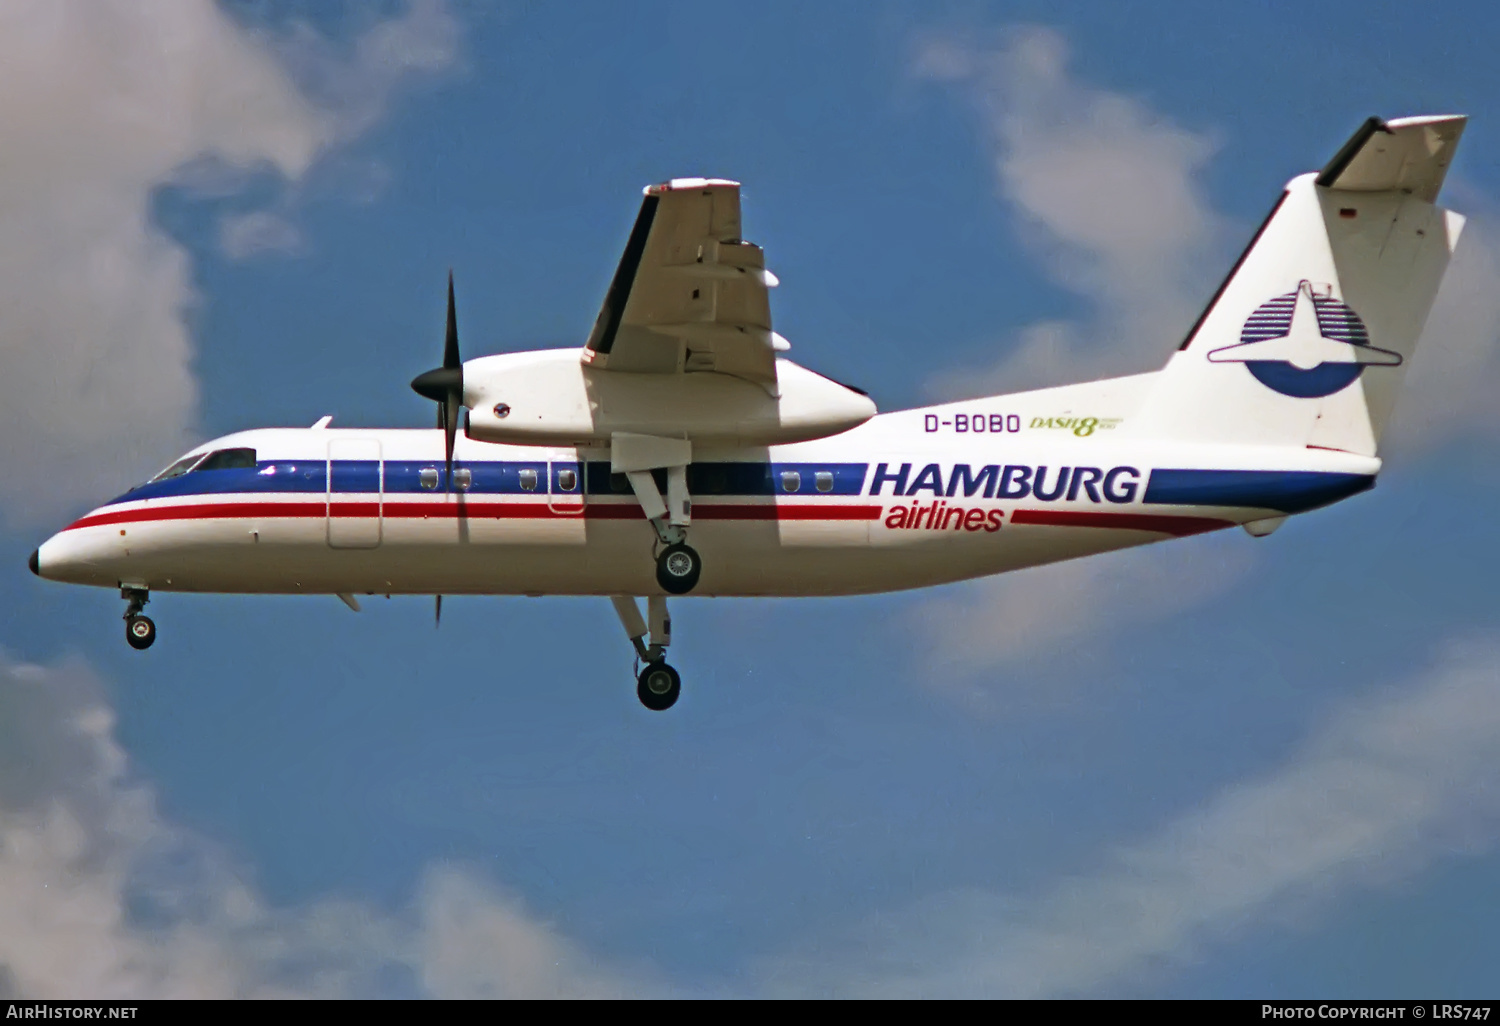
[[140, 631], [658, 685]]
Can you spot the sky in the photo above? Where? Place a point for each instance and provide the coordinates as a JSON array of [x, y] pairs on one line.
[[1217, 767]]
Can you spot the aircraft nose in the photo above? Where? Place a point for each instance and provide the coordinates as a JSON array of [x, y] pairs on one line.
[[35, 562]]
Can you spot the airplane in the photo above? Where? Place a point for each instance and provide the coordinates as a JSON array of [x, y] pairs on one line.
[[587, 471]]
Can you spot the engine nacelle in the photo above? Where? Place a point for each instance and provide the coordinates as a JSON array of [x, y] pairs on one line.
[[549, 397]]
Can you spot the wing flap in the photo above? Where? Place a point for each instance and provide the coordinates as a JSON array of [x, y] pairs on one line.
[[689, 293]]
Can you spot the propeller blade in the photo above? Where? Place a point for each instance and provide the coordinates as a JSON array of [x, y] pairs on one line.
[[450, 431], [437, 620], [455, 397], [450, 342]]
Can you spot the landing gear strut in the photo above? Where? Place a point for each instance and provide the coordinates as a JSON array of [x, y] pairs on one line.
[[678, 565], [140, 631], [658, 684]]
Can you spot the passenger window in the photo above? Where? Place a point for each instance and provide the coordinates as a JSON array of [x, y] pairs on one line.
[[824, 480], [179, 468], [228, 459], [791, 481], [567, 480], [463, 478], [429, 477], [528, 480]]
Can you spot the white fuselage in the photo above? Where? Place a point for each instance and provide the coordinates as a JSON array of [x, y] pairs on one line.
[[909, 499]]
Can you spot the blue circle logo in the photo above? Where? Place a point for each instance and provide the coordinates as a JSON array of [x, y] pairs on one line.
[[1305, 345]]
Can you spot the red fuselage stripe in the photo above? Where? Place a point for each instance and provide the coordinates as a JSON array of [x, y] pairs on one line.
[[479, 510], [470, 510], [1160, 523]]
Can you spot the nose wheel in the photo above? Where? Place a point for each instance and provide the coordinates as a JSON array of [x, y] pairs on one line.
[[657, 685], [140, 630]]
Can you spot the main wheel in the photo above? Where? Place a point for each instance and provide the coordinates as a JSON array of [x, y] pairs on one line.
[[140, 631], [658, 686], [677, 569]]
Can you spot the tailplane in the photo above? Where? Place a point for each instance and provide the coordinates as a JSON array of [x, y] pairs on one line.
[[1308, 338]]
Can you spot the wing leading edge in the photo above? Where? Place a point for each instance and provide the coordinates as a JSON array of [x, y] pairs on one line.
[[689, 294]]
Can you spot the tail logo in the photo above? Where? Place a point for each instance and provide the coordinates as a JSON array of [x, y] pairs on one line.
[[1305, 345]]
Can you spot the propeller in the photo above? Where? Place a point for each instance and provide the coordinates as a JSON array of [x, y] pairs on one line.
[[445, 385]]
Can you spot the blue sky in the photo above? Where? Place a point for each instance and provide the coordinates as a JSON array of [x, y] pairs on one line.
[[1224, 767]]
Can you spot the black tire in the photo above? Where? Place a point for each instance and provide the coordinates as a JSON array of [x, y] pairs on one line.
[[658, 687], [140, 632], [677, 569]]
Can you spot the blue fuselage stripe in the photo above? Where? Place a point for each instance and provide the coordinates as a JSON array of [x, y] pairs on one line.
[[1288, 491], [490, 477], [1285, 491]]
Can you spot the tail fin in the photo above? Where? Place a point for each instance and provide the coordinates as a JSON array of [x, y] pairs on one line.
[[1306, 341]]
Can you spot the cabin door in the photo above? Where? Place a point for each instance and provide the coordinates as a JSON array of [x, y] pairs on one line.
[[356, 483], [565, 491]]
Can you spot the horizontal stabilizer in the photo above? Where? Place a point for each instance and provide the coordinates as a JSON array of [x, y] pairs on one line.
[[1407, 154]]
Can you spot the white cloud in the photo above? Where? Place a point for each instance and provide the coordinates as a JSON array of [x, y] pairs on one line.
[[103, 897], [1389, 786], [478, 943], [1449, 392], [100, 103], [1105, 189], [355, 83], [242, 236], [1051, 610]]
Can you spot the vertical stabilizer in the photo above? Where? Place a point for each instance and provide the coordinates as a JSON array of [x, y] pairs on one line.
[[1308, 338]]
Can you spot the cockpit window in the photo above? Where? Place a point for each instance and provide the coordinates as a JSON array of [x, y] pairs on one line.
[[179, 468], [228, 459], [222, 459]]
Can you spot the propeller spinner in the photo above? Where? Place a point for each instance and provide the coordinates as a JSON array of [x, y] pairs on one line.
[[445, 385]]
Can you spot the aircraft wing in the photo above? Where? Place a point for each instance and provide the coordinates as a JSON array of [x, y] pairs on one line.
[[1411, 154], [689, 294]]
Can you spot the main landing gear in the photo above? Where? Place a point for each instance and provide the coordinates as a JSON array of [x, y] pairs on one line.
[[658, 684], [140, 631], [677, 568], [678, 564]]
